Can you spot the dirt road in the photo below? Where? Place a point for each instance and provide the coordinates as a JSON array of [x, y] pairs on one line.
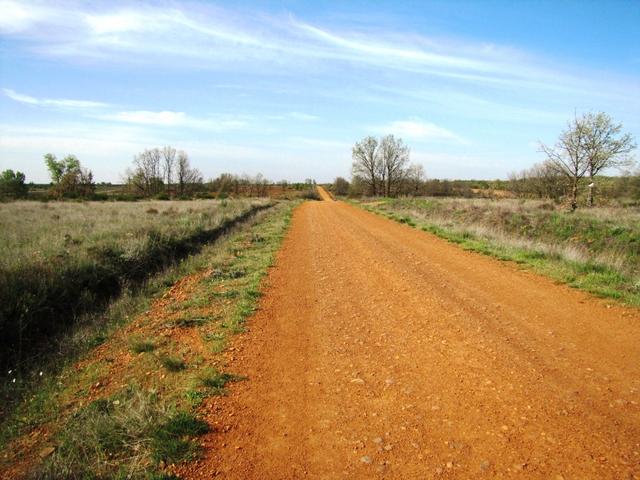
[[380, 351]]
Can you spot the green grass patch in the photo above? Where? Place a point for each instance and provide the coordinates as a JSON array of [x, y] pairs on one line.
[[123, 436], [215, 381], [172, 363], [141, 345], [188, 321], [171, 442], [218, 341]]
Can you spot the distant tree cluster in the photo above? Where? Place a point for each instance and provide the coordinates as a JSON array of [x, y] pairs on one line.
[[253, 186], [381, 167], [69, 179], [540, 181], [12, 185], [163, 171]]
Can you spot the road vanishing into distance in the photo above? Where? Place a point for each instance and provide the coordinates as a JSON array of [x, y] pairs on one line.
[[380, 351]]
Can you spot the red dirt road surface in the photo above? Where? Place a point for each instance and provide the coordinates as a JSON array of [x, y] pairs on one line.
[[380, 351]]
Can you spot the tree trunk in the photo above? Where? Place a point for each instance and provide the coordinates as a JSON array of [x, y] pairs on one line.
[[574, 195], [592, 186]]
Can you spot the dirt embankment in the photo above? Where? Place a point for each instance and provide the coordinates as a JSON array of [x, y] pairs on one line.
[[382, 351]]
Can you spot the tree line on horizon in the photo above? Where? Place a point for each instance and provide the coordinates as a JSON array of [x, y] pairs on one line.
[[591, 144]]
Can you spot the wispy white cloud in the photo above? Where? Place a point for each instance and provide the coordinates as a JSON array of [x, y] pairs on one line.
[[300, 116], [52, 102], [18, 17], [145, 117], [417, 129], [214, 38], [305, 117], [388, 52], [166, 118]]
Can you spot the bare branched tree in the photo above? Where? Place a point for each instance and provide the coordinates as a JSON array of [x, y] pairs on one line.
[[414, 179], [146, 177], [366, 163], [381, 167], [168, 163], [394, 158], [187, 177]]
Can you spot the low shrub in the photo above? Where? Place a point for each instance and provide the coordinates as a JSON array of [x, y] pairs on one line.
[[171, 363], [141, 345]]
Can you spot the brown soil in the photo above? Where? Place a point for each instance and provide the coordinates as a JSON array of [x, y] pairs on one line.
[[382, 351]]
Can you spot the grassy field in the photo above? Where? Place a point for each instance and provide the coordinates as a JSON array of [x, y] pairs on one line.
[[64, 258], [595, 249], [129, 408]]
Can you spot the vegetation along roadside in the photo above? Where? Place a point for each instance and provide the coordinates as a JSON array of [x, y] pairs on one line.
[[597, 250], [65, 259], [129, 408]]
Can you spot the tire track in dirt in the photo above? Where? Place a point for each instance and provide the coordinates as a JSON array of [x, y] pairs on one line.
[[382, 351]]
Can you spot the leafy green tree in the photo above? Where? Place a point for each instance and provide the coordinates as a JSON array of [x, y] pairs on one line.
[[607, 147], [12, 184], [59, 168], [68, 177], [589, 144]]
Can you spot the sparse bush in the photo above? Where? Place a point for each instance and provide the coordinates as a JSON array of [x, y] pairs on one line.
[[341, 186], [311, 194], [173, 364], [139, 345]]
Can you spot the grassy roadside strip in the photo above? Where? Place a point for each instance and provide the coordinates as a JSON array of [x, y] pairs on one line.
[[600, 280], [39, 299], [129, 408]]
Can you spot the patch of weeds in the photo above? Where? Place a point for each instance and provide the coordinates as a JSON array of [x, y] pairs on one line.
[[226, 294], [195, 397], [406, 220], [216, 381], [96, 340], [257, 238], [140, 345], [171, 441], [162, 476], [188, 322], [197, 301], [231, 274], [173, 364], [218, 341], [109, 438]]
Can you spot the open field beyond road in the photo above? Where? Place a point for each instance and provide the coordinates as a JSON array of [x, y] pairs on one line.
[[383, 351]]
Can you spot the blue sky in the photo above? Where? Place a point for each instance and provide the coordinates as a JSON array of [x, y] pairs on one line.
[[286, 88]]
